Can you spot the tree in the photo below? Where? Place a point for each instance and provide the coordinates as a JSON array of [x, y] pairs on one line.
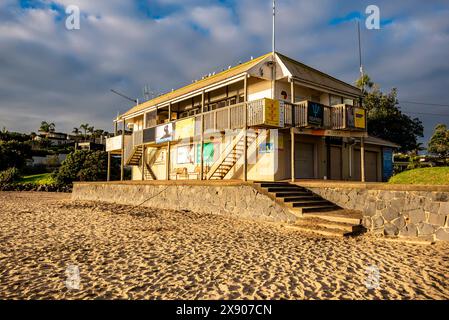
[[76, 131], [439, 142], [84, 127], [13, 154], [364, 83], [47, 127], [385, 118]]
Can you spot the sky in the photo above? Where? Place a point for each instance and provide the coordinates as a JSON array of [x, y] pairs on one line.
[[50, 73]]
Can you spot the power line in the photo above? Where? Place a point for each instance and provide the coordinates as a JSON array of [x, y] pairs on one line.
[[428, 114], [425, 103]]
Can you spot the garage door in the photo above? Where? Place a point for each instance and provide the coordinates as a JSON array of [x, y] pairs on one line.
[[371, 166], [335, 161], [304, 161]]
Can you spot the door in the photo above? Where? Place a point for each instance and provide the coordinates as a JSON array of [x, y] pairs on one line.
[[304, 161], [371, 166], [335, 163]]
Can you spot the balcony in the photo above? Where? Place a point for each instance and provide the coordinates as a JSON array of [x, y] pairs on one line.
[[263, 113]]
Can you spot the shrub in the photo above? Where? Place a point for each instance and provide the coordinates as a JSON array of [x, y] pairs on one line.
[[9, 175], [14, 154], [82, 165]]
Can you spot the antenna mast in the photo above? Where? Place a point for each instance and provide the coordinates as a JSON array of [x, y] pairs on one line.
[[274, 27], [362, 74]]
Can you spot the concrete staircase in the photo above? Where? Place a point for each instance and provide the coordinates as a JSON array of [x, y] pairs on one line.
[[315, 214]]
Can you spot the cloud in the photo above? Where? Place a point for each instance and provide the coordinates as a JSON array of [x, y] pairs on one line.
[[49, 73]]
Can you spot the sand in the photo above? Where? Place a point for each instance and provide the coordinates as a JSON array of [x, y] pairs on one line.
[[123, 252]]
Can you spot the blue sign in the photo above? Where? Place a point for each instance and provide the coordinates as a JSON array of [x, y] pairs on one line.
[[315, 112], [387, 163]]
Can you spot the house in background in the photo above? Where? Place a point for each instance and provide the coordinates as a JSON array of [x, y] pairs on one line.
[[269, 119], [55, 138]]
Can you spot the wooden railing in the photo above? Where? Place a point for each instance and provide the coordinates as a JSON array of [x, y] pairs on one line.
[[338, 117], [233, 117]]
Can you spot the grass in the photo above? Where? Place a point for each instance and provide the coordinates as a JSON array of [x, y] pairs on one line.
[[431, 176], [40, 179]]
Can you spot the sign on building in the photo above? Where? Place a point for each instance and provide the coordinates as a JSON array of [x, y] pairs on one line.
[[271, 112], [315, 114], [164, 133], [185, 129], [387, 163], [355, 117]]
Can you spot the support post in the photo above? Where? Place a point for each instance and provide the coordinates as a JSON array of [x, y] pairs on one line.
[[168, 161], [202, 137], [122, 165], [292, 153], [108, 177], [362, 159], [245, 115], [144, 149], [292, 99]]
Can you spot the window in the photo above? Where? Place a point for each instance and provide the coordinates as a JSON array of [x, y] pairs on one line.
[[336, 100]]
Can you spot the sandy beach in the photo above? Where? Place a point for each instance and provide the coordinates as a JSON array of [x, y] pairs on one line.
[[123, 252]]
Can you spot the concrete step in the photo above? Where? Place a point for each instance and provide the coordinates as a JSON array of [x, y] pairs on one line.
[[312, 222], [279, 185], [299, 198], [309, 203], [333, 218], [286, 188], [323, 208], [318, 230], [285, 194]]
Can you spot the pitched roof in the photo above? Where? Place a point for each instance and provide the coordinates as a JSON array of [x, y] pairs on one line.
[[240, 69], [298, 70], [310, 75], [381, 142]]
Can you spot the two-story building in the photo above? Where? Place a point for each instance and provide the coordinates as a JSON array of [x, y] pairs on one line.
[[270, 119]]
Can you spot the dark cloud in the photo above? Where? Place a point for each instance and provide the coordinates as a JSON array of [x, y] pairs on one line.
[[49, 73]]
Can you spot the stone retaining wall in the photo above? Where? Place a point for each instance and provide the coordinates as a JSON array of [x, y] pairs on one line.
[[422, 214], [237, 200]]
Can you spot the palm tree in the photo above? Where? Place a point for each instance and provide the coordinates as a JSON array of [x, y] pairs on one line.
[[76, 131], [85, 127]]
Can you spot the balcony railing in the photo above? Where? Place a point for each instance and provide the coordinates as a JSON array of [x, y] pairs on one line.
[[264, 113]]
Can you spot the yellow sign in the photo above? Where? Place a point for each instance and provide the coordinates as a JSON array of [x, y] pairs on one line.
[[185, 129], [359, 118], [271, 112]]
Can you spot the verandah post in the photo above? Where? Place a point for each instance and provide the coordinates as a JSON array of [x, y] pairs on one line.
[[168, 147], [292, 129], [143, 161], [245, 128], [122, 164], [292, 159], [202, 137], [108, 177], [362, 159]]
